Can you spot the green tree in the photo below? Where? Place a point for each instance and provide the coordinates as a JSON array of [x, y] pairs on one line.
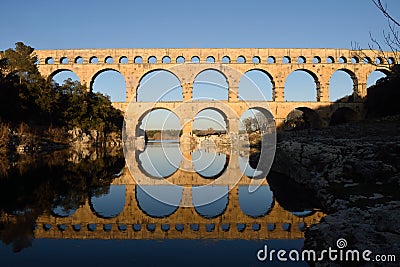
[[21, 60]]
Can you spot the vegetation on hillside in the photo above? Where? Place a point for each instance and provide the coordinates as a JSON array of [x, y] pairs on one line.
[[28, 98]]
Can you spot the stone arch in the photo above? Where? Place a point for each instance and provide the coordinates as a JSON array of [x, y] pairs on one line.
[[391, 60], [100, 205], [109, 60], [256, 60], [93, 60], [51, 75], [210, 201], [158, 201], [342, 85], [241, 59], [174, 82], [166, 60], [302, 118], [342, 60], [355, 60], [314, 77], [78, 60], [301, 60], [271, 60], [64, 60], [226, 60], [63, 211], [123, 60], [216, 84], [49, 60], [353, 77], [254, 85], [259, 125], [180, 59], [210, 59], [148, 111], [222, 113], [316, 60], [120, 94], [59, 76], [286, 60], [343, 115], [195, 59], [376, 76], [209, 164], [155, 162], [256, 203], [138, 60]]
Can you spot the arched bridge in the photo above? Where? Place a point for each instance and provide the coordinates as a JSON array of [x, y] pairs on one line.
[[233, 63]]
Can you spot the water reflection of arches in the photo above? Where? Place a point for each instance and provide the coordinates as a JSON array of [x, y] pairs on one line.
[[158, 201], [63, 210], [159, 160], [111, 204], [209, 164], [304, 213], [210, 201], [256, 203]]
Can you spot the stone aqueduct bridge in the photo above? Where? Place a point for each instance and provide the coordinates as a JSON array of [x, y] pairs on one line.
[[134, 64]]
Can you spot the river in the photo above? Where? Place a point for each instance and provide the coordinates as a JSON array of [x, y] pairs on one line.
[[94, 209]]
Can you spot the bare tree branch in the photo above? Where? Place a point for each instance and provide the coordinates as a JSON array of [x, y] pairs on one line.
[[383, 9]]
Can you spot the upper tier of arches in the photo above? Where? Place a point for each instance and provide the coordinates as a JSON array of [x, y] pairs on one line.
[[276, 64]]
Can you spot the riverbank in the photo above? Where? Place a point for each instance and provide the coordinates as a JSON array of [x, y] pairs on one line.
[[23, 138], [354, 170]]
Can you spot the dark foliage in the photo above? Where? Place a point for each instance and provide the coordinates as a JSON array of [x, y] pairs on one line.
[[26, 96]]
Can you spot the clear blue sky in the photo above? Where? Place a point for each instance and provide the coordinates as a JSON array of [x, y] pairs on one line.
[[49, 24], [70, 24]]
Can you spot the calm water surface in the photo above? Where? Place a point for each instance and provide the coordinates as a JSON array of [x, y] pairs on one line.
[[87, 209]]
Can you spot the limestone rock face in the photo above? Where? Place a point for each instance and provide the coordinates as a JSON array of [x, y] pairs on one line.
[[354, 171]]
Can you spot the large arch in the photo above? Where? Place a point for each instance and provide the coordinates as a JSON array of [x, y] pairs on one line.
[[256, 84], [342, 86], [110, 82], [159, 85], [147, 121], [158, 201], [376, 76], [110, 204], [210, 201], [210, 117], [61, 75], [302, 85], [344, 115], [257, 203], [210, 84], [302, 118]]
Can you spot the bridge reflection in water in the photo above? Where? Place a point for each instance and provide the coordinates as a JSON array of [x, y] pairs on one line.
[[179, 209]]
